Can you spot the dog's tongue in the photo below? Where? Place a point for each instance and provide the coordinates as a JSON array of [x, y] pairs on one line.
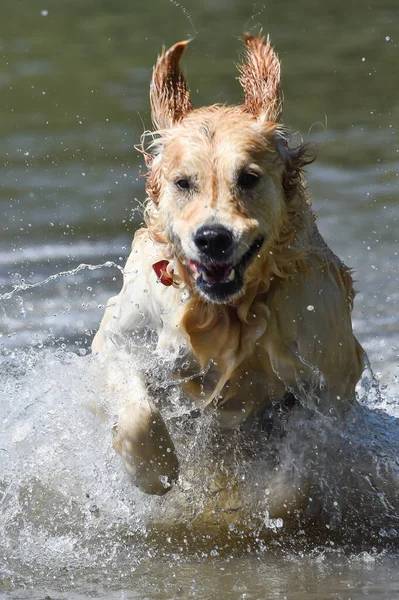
[[211, 273]]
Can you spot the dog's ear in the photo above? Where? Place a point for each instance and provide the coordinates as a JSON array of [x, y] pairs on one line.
[[169, 95], [260, 79]]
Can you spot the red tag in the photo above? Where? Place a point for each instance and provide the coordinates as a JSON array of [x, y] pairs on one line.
[[162, 274]]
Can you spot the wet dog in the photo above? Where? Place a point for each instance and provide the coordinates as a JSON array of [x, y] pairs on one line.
[[230, 272]]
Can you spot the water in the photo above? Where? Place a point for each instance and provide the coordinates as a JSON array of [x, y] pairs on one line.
[[74, 89]]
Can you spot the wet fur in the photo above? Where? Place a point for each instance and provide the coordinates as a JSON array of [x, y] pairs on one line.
[[289, 328]]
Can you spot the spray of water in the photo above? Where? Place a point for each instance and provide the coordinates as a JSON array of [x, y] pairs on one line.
[[23, 285], [193, 33], [65, 498]]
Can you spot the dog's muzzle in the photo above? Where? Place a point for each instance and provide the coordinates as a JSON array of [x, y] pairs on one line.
[[216, 275]]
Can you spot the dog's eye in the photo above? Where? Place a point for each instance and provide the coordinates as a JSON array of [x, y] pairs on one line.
[[247, 181], [183, 184]]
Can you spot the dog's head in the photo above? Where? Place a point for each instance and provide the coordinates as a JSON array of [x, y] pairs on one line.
[[220, 177]]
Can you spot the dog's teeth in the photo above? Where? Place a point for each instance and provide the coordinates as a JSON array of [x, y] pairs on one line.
[[205, 276], [232, 274]]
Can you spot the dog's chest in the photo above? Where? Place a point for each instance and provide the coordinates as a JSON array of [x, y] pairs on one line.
[[224, 367], [247, 392]]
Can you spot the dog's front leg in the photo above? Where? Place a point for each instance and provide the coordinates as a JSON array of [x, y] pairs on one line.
[[144, 442]]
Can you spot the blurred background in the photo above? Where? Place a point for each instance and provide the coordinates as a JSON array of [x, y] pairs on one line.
[[74, 79]]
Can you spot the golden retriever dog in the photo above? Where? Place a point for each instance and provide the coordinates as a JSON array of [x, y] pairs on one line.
[[230, 276]]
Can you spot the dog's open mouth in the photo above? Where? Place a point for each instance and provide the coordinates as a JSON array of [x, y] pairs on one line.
[[220, 281]]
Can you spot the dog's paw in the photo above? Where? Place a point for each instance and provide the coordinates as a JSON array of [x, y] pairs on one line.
[[147, 449]]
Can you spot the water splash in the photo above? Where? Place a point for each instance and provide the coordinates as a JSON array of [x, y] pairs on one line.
[[68, 511], [23, 285], [194, 32], [65, 499], [256, 14]]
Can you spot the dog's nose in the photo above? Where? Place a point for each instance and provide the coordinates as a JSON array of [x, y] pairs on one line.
[[214, 241]]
